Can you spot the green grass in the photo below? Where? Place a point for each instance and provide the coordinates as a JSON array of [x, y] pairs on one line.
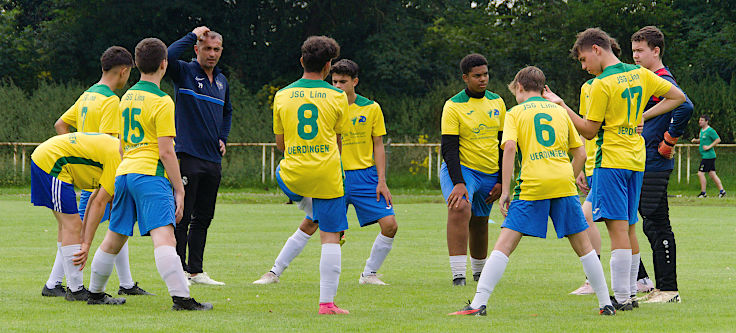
[[245, 238]]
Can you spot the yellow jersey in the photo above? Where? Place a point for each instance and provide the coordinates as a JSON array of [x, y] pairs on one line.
[[617, 99], [86, 160], [95, 111], [146, 114], [590, 146], [364, 121], [310, 115], [477, 122], [544, 134]]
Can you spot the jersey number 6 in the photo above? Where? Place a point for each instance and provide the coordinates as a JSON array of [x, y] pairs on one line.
[[540, 129]]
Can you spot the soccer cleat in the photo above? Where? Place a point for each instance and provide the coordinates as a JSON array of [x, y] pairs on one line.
[[189, 304], [57, 291], [469, 311], [79, 295], [203, 278], [634, 301], [722, 194], [665, 297], [644, 285], [625, 306], [330, 309], [648, 296], [134, 290], [608, 310], [103, 298], [458, 281], [371, 279], [267, 278], [585, 289], [702, 195], [476, 276]]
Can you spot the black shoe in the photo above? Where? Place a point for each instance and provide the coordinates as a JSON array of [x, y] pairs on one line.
[[458, 281], [469, 311], [134, 290], [79, 295], [625, 306], [633, 301], [608, 310], [188, 303], [58, 291], [722, 194], [102, 298], [476, 276]]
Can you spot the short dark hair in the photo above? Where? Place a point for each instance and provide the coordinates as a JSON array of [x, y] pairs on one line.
[[531, 78], [317, 51], [148, 55], [615, 48], [346, 67], [706, 117], [115, 56], [652, 35], [589, 37], [472, 60]]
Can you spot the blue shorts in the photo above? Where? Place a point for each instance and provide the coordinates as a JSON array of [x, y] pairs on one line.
[[614, 194], [143, 198], [590, 181], [360, 191], [329, 213], [49, 191], [84, 199], [531, 217], [479, 184]]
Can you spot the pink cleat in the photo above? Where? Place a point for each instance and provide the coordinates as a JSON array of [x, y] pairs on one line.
[[331, 308]]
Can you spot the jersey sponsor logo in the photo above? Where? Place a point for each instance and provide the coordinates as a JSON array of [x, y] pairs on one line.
[[595, 211], [219, 85], [359, 120], [185, 180], [494, 113]]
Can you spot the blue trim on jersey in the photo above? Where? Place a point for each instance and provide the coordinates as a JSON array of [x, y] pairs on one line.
[[201, 97]]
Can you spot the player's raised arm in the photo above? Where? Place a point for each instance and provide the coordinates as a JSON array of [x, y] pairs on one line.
[[177, 48], [587, 128]]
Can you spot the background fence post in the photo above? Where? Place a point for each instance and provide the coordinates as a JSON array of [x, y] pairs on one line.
[[272, 161]]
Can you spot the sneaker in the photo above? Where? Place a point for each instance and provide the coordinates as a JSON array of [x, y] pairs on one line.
[[371, 279], [702, 195], [267, 278], [103, 298], [134, 290], [79, 295], [476, 276], [203, 278], [608, 310], [625, 306], [665, 297], [644, 285], [188, 303], [458, 281], [469, 311], [331, 308], [722, 194], [585, 289], [57, 291]]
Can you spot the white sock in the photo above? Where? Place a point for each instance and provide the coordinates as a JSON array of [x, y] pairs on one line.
[[293, 246], [57, 272], [329, 272], [490, 276], [169, 267], [621, 274], [458, 265], [635, 259], [381, 247], [74, 277], [594, 271], [101, 269], [306, 205], [476, 265], [122, 265]]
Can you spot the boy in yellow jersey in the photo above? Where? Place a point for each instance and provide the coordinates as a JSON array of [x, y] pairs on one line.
[[364, 162], [545, 188], [472, 124], [613, 111], [142, 189], [308, 117], [97, 111], [84, 160]]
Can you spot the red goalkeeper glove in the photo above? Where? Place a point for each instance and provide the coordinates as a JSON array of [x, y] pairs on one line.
[[667, 146]]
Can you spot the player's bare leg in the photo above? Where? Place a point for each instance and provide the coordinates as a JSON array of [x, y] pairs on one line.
[[716, 180], [478, 243], [458, 220], [703, 184]]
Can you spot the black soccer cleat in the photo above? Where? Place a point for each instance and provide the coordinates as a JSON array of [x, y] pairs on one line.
[[633, 301], [625, 306], [188, 303], [103, 298], [476, 276], [469, 311], [79, 295], [458, 281], [57, 291], [134, 290], [608, 310]]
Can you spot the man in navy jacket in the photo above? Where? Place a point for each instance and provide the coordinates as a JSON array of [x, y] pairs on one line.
[[203, 118]]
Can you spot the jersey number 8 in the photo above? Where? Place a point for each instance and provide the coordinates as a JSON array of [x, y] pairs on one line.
[[310, 121]]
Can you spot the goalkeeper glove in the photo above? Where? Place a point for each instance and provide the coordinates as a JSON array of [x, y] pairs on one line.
[[667, 146]]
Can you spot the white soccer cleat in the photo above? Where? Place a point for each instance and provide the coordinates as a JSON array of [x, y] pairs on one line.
[[585, 289], [267, 278], [665, 297], [306, 205], [203, 278], [371, 279], [644, 285]]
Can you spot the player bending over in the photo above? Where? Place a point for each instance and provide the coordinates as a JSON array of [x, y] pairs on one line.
[[364, 162], [546, 188]]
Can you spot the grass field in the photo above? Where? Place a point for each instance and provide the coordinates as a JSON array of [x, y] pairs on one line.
[[250, 228]]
